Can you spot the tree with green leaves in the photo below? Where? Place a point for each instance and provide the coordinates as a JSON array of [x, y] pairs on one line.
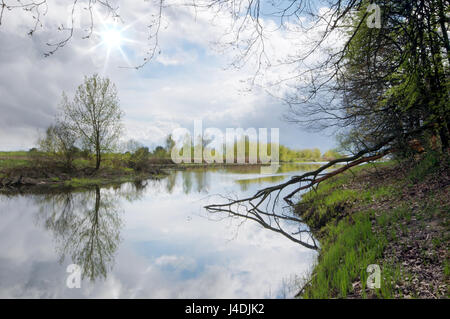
[[381, 88], [95, 115], [170, 143], [139, 159], [60, 140], [394, 80]]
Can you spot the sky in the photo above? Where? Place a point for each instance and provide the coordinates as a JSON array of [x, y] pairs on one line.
[[190, 79]]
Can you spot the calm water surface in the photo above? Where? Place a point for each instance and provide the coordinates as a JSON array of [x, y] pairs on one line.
[[148, 240]]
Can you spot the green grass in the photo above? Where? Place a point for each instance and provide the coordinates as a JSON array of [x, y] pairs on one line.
[[351, 247], [107, 180], [390, 275], [383, 192], [82, 182], [113, 170], [13, 163], [15, 153], [348, 242], [427, 165], [115, 161], [88, 182], [447, 269], [82, 163], [327, 202]]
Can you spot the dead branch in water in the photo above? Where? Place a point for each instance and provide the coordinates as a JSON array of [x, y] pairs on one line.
[[259, 209], [262, 206]]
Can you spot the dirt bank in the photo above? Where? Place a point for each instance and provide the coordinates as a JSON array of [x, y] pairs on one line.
[[390, 214]]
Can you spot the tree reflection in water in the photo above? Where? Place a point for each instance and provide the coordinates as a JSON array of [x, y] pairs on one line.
[[191, 181], [86, 225]]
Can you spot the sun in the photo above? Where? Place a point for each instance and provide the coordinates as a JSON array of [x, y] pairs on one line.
[[112, 38]]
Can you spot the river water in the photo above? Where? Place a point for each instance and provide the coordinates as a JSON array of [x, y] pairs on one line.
[[148, 240]]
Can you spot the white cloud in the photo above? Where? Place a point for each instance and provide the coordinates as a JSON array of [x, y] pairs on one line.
[[185, 82]]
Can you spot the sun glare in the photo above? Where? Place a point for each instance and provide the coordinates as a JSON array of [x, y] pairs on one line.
[[112, 38]]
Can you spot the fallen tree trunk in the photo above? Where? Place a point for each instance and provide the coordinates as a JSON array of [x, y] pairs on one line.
[[262, 207]]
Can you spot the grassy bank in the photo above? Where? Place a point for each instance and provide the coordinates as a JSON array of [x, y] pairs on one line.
[[31, 170], [27, 171], [390, 214]]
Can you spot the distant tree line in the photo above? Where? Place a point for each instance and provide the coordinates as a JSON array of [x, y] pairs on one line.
[[286, 154]]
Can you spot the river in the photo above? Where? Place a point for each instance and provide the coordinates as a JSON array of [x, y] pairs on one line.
[[148, 240]]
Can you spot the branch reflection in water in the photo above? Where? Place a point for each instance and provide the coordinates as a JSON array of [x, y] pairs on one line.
[[86, 225]]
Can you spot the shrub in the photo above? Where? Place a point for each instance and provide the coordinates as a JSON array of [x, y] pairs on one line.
[[427, 165], [139, 160]]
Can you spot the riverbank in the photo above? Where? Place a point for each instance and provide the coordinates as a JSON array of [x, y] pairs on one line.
[[38, 171], [28, 172], [25, 174], [390, 214], [38, 179]]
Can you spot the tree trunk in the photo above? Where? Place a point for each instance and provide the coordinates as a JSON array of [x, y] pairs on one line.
[[442, 20], [97, 151], [443, 134], [98, 160]]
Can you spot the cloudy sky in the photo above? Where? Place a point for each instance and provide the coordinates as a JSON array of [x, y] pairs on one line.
[[190, 79]]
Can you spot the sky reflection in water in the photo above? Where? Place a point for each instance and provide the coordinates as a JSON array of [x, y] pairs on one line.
[[149, 240]]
